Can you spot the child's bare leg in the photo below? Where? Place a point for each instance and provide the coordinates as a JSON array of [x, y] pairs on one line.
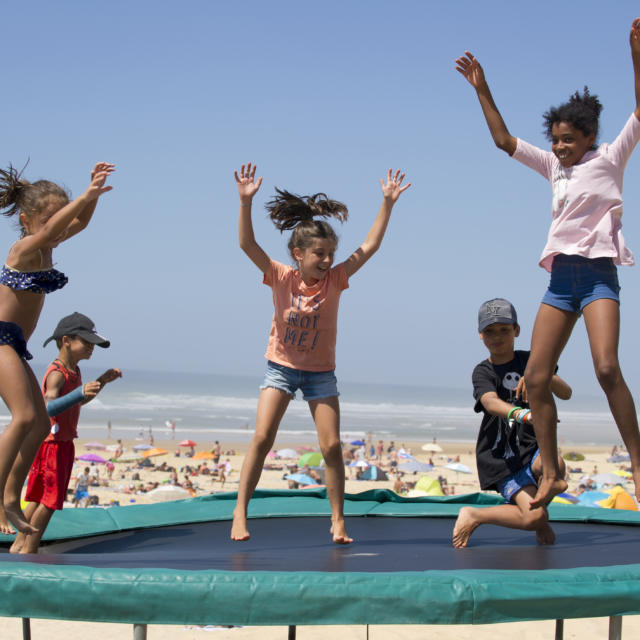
[[513, 516], [21, 538], [602, 320], [326, 415], [272, 404], [550, 334], [16, 389], [28, 449], [40, 519]]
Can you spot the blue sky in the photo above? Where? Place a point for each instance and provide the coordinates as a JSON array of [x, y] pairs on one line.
[[323, 97]]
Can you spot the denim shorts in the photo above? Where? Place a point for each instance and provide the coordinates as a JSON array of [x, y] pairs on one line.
[[576, 281], [313, 384], [508, 487]]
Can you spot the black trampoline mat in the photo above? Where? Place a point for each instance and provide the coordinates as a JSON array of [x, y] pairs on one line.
[[382, 544]]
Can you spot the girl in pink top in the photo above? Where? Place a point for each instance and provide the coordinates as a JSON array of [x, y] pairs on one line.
[[585, 243], [301, 350]]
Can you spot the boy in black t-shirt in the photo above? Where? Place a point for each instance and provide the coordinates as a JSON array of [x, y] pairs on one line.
[[506, 450]]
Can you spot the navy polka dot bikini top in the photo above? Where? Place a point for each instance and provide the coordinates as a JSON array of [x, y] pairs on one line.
[[44, 281]]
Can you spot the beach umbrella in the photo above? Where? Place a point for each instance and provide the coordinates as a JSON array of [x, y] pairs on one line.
[[203, 455], [91, 457], [168, 492], [357, 443], [301, 478], [187, 443], [431, 447], [142, 447], [373, 473], [154, 452], [311, 458], [288, 454], [359, 463], [458, 467], [95, 445], [414, 466], [607, 478]]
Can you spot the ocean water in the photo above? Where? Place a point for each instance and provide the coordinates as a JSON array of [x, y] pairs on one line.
[[218, 407]]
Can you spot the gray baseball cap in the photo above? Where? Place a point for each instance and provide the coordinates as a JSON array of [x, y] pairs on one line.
[[496, 310]]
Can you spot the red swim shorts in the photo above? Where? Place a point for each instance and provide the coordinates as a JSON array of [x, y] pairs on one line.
[[50, 474]]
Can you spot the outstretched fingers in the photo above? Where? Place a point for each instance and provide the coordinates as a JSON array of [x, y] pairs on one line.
[[392, 187], [246, 180]]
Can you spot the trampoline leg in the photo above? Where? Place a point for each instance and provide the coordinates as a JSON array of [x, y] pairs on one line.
[[139, 632], [26, 628], [615, 628], [292, 632], [559, 629]]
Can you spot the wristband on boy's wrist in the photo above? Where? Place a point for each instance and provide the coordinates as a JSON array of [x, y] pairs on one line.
[[511, 412]]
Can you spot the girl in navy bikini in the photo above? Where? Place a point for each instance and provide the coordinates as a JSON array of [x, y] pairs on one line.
[[46, 219]]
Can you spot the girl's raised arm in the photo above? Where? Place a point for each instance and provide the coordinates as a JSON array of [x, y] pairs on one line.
[[82, 220], [470, 68], [247, 188], [62, 219], [391, 190], [634, 41]]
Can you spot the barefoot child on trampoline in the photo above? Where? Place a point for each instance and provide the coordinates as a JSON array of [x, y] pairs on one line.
[[301, 349], [507, 454], [584, 245], [46, 218]]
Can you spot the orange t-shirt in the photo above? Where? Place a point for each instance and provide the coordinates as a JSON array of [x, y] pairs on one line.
[[305, 319]]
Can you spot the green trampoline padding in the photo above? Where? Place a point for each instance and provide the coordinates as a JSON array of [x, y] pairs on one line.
[[46, 589]]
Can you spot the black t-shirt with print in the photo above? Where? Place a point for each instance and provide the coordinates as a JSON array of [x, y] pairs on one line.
[[501, 450]]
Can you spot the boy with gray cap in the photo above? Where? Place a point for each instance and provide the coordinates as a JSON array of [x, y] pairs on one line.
[[506, 450], [64, 393]]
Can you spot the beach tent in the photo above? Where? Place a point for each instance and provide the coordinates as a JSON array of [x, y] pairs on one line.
[[311, 458], [430, 486], [373, 473], [620, 457], [142, 447], [619, 499], [431, 447], [301, 478], [607, 478]]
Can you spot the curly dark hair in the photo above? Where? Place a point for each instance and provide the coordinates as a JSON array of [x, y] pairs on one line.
[[289, 211], [17, 195], [582, 112]]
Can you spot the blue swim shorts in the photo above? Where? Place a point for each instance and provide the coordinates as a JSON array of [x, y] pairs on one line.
[[11, 334], [508, 487], [577, 281], [313, 384]]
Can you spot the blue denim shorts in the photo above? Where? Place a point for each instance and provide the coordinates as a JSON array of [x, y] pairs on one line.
[[313, 384], [519, 480], [577, 281]]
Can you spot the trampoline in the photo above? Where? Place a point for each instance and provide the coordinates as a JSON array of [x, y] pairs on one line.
[[173, 563]]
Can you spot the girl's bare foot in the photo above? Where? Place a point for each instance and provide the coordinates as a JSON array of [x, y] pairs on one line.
[[545, 535], [464, 527], [18, 543], [339, 532], [10, 515], [548, 488], [239, 531]]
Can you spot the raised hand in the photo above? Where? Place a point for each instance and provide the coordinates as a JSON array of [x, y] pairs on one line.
[[247, 184], [99, 175], [109, 376], [392, 188], [470, 68]]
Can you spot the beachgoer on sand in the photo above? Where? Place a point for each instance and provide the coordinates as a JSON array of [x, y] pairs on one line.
[[301, 349], [584, 245], [64, 394], [46, 219], [507, 455]]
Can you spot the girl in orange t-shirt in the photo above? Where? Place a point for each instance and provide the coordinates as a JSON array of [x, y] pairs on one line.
[[301, 350]]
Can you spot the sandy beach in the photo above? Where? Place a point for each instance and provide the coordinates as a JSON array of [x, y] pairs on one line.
[[128, 485]]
